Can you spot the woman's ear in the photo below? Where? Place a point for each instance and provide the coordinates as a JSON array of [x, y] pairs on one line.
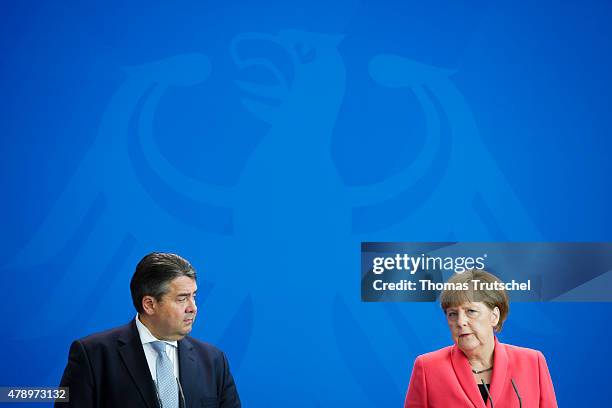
[[495, 313]]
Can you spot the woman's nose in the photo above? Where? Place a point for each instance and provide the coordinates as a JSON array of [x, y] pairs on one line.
[[462, 319]]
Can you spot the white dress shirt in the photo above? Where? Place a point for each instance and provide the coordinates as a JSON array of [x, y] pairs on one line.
[[146, 339]]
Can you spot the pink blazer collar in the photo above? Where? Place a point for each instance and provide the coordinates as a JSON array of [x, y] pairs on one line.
[[463, 371]]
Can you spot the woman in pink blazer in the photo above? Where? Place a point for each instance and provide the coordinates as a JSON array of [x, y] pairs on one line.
[[479, 371]]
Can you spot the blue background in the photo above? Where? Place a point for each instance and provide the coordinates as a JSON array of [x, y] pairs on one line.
[[266, 160]]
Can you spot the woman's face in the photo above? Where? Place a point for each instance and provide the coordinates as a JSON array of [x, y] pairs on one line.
[[471, 325]]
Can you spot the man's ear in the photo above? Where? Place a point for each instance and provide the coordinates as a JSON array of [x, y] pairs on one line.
[[495, 313], [149, 305]]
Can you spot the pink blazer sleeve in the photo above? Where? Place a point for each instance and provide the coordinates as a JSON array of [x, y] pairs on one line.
[[547, 391], [417, 390]]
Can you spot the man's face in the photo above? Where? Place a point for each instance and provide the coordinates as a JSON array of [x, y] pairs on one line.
[[173, 316]]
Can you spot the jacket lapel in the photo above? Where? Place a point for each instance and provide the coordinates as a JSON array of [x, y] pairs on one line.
[[500, 370], [462, 369], [188, 370], [132, 354]]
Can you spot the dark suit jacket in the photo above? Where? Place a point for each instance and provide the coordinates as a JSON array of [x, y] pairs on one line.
[[109, 369]]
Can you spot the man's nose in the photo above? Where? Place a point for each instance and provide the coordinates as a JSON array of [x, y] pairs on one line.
[[192, 307]]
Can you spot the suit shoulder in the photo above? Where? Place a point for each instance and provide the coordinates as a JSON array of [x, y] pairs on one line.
[[204, 347], [105, 337], [524, 354], [435, 357]]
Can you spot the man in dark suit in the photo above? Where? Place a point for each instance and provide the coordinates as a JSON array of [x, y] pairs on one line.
[[151, 362]]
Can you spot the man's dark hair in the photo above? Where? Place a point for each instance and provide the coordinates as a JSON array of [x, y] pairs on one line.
[[154, 273]]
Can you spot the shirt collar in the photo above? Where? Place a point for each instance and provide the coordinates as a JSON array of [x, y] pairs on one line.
[[147, 337]]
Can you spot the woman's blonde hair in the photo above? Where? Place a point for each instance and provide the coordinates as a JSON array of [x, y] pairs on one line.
[[456, 296]]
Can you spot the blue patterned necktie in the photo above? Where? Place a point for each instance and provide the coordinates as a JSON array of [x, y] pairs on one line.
[[166, 381]]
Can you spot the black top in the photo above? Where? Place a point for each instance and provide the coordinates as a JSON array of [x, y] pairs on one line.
[[483, 392]]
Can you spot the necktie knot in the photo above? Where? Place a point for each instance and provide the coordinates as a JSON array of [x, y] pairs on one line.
[[159, 346]]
